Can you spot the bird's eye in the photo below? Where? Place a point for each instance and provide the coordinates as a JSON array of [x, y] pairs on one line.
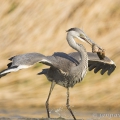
[[81, 35]]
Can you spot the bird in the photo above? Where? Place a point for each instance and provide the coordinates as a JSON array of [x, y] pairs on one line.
[[65, 69]]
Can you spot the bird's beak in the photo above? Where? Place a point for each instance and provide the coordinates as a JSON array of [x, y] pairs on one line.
[[83, 37], [95, 48]]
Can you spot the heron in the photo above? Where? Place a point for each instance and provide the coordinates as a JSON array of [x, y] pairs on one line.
[[65, 69]]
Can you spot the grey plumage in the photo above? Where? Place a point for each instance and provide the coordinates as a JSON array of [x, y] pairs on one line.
[[94, 62], [65, 69]]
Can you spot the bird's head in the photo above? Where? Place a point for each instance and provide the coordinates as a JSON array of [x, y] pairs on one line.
[[79, 34]]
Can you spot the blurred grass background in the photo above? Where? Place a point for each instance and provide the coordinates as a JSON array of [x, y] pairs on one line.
[[40, 26]]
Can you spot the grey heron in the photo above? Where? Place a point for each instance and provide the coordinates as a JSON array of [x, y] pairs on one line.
[[65, 69]]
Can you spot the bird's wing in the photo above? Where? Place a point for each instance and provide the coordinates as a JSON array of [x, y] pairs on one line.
[[95, 63], [60, 61], [25, 61]]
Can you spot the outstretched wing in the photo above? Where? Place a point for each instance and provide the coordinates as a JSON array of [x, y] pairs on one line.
[[25, 61], [95, 63], [104, 65]]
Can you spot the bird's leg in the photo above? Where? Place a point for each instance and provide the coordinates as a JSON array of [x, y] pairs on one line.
[[68, 105], [47, 102]]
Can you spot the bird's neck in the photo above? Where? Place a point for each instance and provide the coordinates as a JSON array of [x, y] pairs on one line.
[[80, 48], [83, 54]]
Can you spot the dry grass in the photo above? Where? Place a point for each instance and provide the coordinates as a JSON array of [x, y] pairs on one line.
[[39, 26]]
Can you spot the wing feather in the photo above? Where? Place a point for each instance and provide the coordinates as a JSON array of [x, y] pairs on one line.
[[94, 63], [25, 61]]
